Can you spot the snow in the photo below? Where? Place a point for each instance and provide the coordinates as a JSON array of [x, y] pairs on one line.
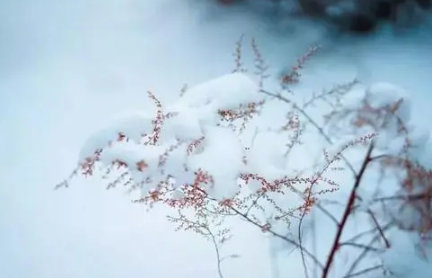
[[221, 154], [132, 154], [402, 259], [184, 126], [178, 194], [386, 94], [133, 125], [224, 92], [266, 157], [194, 116], [222, 159], [70, 66], [393, 124]]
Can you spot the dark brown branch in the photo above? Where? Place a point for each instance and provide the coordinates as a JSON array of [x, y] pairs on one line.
[[347, 212]]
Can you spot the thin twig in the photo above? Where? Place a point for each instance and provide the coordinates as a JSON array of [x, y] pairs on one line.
[[312, 121], [309, 254], [366, 270], [381, 232], [301, 244], [219, 260], [361, 256], [326, 212], [269, 230], [358, 245]]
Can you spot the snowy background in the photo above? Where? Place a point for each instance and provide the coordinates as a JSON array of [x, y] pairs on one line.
[[67, 67]]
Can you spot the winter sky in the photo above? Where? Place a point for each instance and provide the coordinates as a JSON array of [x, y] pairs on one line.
[[66, 67]]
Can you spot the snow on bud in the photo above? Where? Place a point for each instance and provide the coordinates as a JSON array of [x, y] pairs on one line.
[[419, 145], [141, 160], [389, 108], [382, 108], [133, 126], [266, 157], [177, 194], [222, 159], [383, 94], [184, 126], [226, 92], [353, 100]]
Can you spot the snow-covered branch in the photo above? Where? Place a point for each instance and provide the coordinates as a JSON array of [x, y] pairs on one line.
[[211, 157]]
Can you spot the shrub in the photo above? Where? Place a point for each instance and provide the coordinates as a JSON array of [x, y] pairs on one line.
[[209, 158], [352, 16]]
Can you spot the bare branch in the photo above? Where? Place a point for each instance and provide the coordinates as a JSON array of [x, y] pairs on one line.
[[347, 212]]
